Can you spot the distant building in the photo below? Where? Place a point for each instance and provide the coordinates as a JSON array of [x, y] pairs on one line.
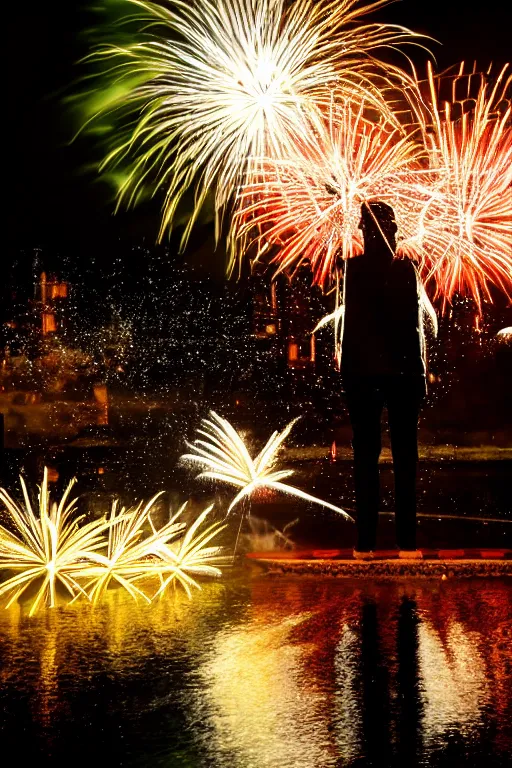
[[284, 314], [49, 303]]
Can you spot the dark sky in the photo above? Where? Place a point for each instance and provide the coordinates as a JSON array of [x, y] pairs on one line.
[[51, 204]]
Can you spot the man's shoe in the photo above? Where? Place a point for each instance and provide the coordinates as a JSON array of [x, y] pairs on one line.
[[410, 554], [364, 555]]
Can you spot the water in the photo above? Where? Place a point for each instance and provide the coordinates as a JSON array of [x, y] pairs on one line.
[[263, 672], [257, 672], [460, 504]]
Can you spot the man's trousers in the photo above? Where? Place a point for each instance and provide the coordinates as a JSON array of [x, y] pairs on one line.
[[366, 398]]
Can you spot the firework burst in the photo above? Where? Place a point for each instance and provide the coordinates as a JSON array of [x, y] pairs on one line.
[[191, 556], [138, 551], [55, 546], [46, 549], [226, 458], [207, 89], [130, 552], [309, 204], [462, 233]]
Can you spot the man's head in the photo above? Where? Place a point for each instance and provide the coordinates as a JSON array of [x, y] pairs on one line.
[[378, 225]]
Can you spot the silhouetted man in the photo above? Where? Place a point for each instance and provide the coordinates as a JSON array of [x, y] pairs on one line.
[[382, 364]]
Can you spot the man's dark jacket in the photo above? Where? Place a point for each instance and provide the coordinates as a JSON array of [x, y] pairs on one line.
[[382, 332]]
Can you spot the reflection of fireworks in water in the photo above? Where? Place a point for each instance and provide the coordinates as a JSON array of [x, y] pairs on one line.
[[274, 654], [210, 88], [225, 457], [256, 685], [464, 232], [455, 688], [55, 547], [309, 204]]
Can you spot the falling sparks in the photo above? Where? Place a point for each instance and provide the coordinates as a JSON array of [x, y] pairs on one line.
[[209, 89], [225, 458]]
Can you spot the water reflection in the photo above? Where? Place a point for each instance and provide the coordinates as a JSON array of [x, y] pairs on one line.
[[291, 673], [455, 688], [262, 709]]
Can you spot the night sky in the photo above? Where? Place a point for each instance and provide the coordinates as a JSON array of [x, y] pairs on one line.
[[52, 204]]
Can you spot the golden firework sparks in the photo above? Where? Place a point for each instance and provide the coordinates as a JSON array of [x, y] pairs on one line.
[[190, 556], [55, 546], [226, 459], [130, 552], [44, 549]]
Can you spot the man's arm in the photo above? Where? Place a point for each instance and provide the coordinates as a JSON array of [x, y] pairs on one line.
[[406, 318]]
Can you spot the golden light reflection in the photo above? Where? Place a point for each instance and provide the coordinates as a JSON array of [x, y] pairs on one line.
[[118, 633], [49, 688], [261, 706], [348, 722], [454, 682], [290, 672], [268, 683]]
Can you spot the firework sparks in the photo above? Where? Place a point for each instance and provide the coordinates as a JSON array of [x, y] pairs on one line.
[[335, 317], [505, 334], [45, 548], [130, 553], [191, 555], [52, 547], [451, 191], [309, 205], [463, 233], [209, 88], [135, 554], [226, 458]]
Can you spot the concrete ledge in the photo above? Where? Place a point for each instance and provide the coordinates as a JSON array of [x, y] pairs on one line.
[[386, 568]]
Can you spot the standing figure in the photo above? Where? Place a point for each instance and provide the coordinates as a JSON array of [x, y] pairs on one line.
[[382, 365]]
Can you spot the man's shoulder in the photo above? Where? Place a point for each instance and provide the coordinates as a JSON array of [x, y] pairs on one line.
[[357, 263], [404, 269], [404, 264]]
